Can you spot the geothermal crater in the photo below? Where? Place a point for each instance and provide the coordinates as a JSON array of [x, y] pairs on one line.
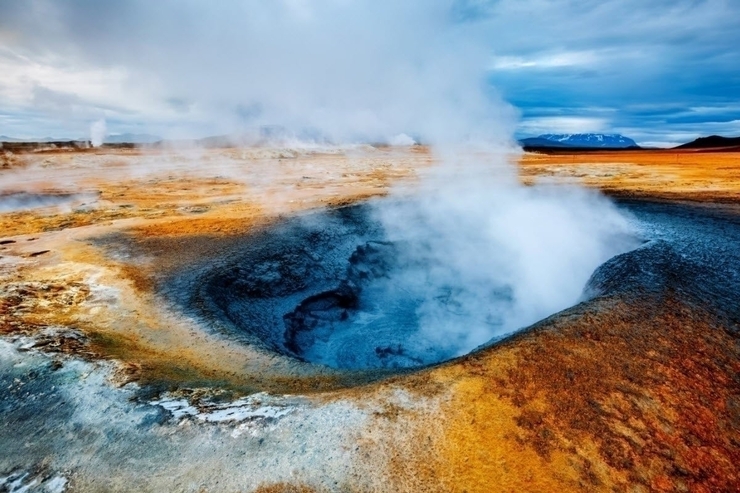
[[326, 288], [330, 288]]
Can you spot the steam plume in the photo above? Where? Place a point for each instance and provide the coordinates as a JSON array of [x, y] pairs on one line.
[[500, 255], [97, 133]]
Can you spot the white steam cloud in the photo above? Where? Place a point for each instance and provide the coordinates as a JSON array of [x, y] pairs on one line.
[[498, 255], [488, 256], [98, 132], [402, 140], [334, 70]]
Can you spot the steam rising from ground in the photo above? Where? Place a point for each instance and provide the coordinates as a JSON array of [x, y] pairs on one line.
[[97, 133], [498, 256], [12, 202], [322, 69], [486, 256]]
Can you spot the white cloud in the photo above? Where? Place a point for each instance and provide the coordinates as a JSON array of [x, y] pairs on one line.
[[562, 124], [21, 74], [544, 61], [721, 109], [347, 70], [196, 66], [74, 94]]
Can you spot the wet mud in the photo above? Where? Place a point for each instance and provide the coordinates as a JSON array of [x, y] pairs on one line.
[[327, 288]]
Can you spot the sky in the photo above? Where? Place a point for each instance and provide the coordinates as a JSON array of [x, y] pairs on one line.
[[659, 71]]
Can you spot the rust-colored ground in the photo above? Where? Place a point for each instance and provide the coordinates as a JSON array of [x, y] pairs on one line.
[[175, 204], [589, 403], [664, 174], [644, 398]]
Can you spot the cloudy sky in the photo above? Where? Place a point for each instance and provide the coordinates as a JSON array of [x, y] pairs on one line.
[[659, 71]]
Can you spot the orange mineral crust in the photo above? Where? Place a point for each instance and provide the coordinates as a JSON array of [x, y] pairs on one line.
[[592, 400], [657, 174], [631, 390]]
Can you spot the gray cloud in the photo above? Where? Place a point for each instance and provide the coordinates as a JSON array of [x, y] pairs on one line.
[[367, 69], [355, 69], [673, 54]]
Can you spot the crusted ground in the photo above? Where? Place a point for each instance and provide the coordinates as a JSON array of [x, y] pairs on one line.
[[695, 175], [625, 393]]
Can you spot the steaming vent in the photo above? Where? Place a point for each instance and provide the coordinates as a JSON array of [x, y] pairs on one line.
[[369, 320], [328, 288], [20, 201], [332, 288]]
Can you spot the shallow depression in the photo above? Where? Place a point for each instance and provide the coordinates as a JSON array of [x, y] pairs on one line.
[[330, 288]]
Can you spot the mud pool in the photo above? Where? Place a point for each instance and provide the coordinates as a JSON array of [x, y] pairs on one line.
[[329, 288]]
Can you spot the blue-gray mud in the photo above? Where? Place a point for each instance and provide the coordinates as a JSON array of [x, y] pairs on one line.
[[328, 287], [321, 288], [691, 250]]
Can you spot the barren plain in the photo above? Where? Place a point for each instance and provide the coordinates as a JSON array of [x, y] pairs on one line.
[[107, 385]]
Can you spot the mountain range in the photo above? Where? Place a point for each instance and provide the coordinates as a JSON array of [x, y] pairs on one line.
[[587, 140]]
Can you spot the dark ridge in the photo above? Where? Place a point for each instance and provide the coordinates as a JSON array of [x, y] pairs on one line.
[[64, 145], [21, 147], [720, 149], [712, 142]]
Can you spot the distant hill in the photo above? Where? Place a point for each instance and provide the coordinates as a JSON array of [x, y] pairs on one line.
[[581, 141], [5, 138], [711, 142], [127, 138], [265, 134], [541, 142]]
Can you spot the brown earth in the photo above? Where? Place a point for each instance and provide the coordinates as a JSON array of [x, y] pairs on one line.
[[620, 394], [664, 174]]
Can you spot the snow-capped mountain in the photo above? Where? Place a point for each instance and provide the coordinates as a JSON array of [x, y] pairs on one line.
[[611, 141]]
